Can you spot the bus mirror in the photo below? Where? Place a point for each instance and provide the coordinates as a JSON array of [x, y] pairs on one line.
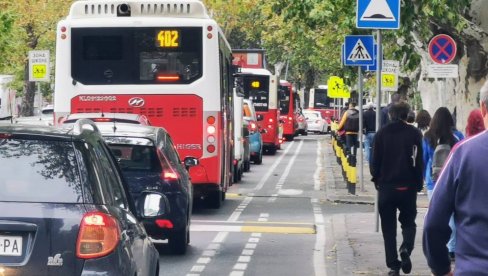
[[259, 117]]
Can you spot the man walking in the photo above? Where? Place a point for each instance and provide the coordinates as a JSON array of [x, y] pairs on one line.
[[397, 167], [461, 190], [350, 124]]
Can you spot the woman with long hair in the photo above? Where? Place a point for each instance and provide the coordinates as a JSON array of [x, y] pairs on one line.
[[441, 131], [423, 120]]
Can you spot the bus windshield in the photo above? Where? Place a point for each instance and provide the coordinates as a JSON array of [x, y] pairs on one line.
[[136, 55], [321, 100], [256, 88], [284, 96]]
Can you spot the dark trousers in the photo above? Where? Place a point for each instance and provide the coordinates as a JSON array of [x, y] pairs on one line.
[[351, 143], [388, 203]]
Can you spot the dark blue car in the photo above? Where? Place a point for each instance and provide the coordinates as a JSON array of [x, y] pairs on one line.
[[149, 162], [64, 208]]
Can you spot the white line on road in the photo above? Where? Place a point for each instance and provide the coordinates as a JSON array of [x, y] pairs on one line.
[[318, 162], [273, 167], [283, 177]]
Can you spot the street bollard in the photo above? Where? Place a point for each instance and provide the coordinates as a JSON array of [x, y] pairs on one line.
[[352, 180]]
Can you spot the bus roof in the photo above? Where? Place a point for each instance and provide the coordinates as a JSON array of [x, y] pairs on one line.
[[256, 71], [134, 8]]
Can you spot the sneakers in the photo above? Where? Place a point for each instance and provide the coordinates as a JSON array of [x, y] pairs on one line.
[[393, 273], [406, 263]]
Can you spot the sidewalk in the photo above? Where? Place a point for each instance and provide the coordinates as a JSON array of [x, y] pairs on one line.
[[354, 247]]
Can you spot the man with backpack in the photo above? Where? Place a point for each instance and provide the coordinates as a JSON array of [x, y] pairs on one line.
[[397, 171], [350, 124]]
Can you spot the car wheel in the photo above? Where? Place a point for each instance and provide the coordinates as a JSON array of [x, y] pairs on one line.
[[235, 175], [272, 150], [178, 242], [215, 199], [305, 133], [259, 158], [247, 166]]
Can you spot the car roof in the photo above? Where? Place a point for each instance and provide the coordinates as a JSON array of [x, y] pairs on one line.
[[72, 132], [129, 130], [126, 116]]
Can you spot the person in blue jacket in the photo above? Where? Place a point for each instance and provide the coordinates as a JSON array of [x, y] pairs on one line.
[[441, 131], [461, 189]]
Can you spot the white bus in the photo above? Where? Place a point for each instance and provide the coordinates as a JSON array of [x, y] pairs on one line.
[[164, 59]]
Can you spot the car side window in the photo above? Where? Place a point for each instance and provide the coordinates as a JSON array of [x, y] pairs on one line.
[[119, 194], [111, 183], [170, 151]]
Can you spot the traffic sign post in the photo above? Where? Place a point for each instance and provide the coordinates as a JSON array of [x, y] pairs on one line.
[[378, 14], [39, 69], [442, 49], [358, 50]]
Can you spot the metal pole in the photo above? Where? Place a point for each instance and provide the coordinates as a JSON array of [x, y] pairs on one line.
[[379, 60], [40, 98], [360, 133], [286, 70]]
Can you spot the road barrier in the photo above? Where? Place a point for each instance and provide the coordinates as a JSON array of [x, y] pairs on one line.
[[347, 161]]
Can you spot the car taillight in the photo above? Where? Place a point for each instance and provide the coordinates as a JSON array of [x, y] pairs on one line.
[[164, 223], [98, 236], [252, 127], [168, 173]]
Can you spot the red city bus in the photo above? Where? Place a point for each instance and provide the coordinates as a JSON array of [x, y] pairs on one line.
[[288, 109], [171, 64], [318, 100], [261, 87]]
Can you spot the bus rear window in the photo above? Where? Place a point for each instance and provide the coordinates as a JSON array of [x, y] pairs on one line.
[[256, 88], [136, 55], [284, 96], [321, 100]]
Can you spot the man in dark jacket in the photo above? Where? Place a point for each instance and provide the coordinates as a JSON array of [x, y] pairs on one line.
[[395, 98], [397, 168], [369, 126]]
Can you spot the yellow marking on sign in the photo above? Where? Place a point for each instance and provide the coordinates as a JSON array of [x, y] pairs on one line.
[[39, 71], [388, 80]]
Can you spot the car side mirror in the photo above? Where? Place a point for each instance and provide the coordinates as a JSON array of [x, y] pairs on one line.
[[190, 162], [152, 204], [259, 117]]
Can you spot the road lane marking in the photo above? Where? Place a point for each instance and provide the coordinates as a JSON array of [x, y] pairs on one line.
[[272, 168], [281, 181], [318, 162], [319, 250]]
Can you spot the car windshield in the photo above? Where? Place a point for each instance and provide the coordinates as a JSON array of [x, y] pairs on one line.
[[45, 171], [136, 157]]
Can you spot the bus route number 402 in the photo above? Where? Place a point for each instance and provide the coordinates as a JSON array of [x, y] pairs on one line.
[[168, 39]]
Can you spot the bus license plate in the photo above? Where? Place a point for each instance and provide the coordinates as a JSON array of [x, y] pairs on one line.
[[10, 246]]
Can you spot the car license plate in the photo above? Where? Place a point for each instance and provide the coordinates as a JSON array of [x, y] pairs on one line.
[[10, 246]]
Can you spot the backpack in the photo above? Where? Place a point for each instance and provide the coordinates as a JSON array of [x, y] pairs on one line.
[[441, 152], [352, 121]]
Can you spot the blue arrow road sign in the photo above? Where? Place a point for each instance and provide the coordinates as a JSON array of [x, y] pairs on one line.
[[378, 14], [359, 50]]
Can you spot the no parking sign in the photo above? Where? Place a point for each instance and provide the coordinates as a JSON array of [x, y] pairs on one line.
[[442, 49]]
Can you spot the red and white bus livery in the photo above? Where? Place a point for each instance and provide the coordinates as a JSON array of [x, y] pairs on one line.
[[167, 60], [261, 87], [288, 109]]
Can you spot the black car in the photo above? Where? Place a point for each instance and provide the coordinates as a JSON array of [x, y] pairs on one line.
[[65, 209], [149, 162]]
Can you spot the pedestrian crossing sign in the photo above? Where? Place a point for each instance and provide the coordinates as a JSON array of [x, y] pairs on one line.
[[359, 50]]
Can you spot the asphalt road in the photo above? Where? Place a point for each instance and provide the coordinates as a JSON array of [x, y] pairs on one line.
[[272, 222]]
